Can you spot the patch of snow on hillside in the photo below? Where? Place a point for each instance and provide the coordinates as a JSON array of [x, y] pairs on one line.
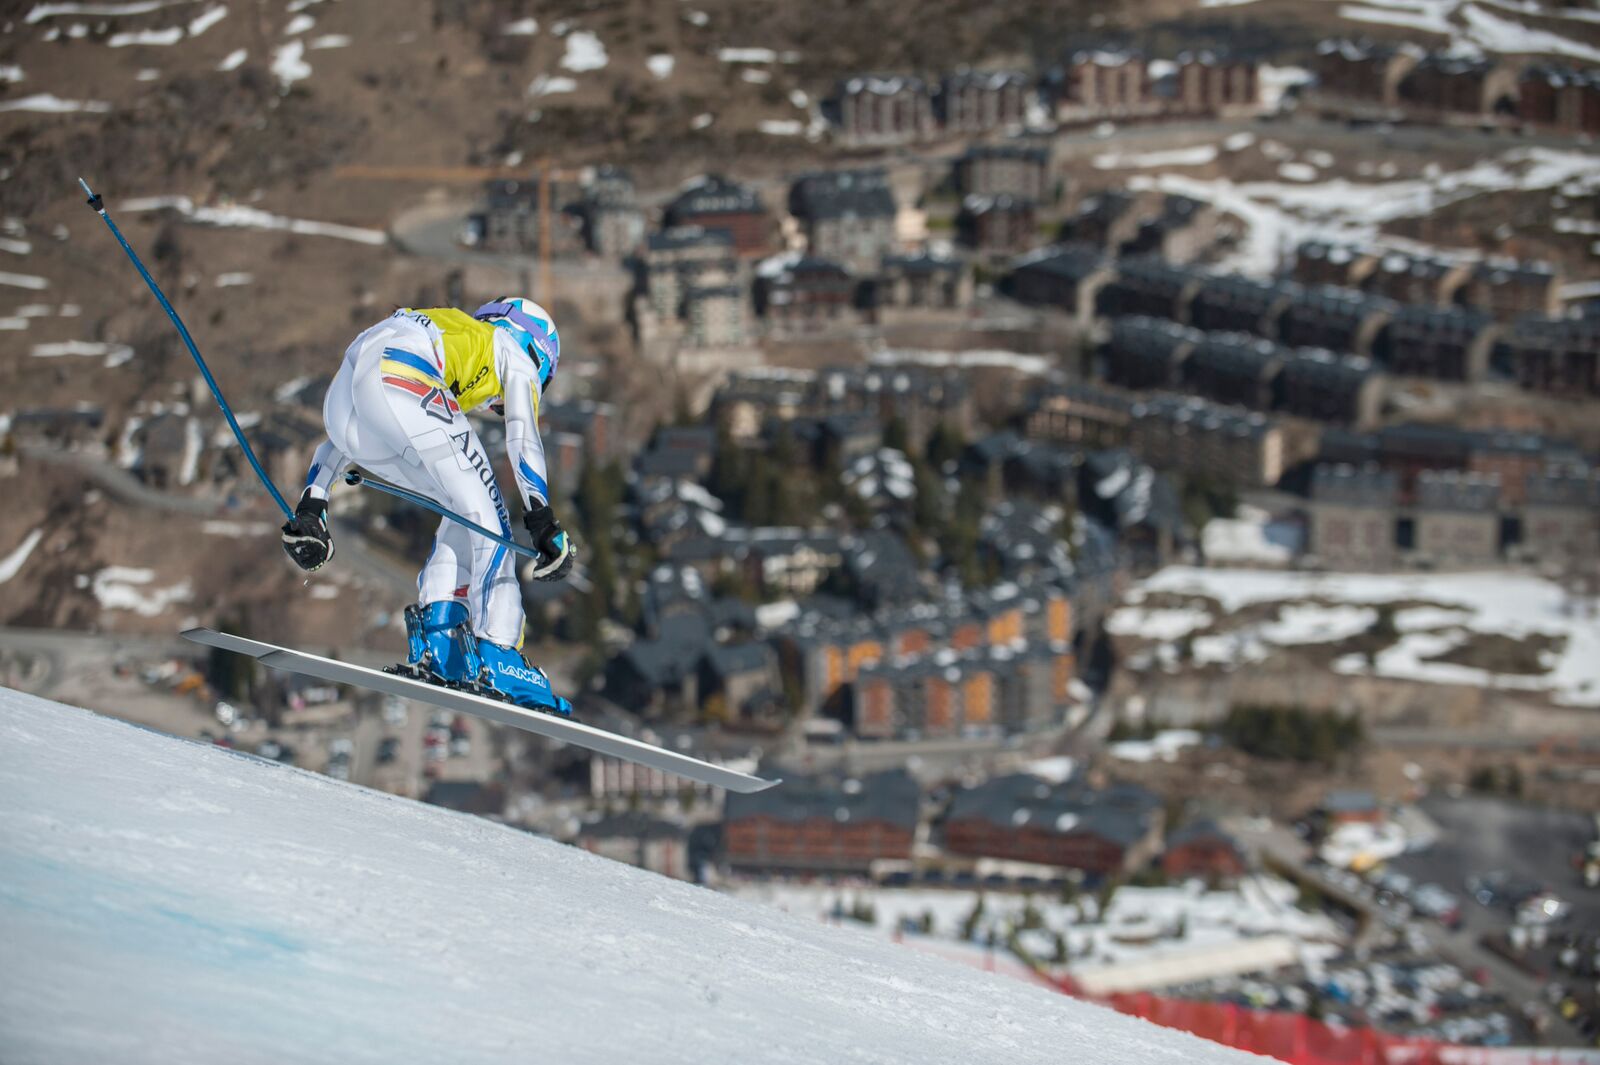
[[1153, 623], [1513, 605], [40, 12], [1496, 34], [781, 127], [1297, 172], [255, 218], [48, 104], [330, 40], [11, 73], [174, 902], [12, 563], [152, 38], [702, 120], [1164, 746], [1280, 216], [127, 588], [1198, 155], [234, 280], [1429, 16], [288, 63], [207, 19], [545, 85], [1310, 623], [15, 247], [747, 55], [661, 64], [234, 59], [522, 27], [298, 25], [584, 52], [27, 281], [115, 354]]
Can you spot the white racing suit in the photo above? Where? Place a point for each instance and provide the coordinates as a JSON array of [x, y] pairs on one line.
[[395, 409]]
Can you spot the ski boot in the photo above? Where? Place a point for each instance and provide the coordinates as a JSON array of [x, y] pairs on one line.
[[507, 675], [439, 646]]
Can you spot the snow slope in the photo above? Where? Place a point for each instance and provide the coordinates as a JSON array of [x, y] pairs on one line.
[[165, 901]]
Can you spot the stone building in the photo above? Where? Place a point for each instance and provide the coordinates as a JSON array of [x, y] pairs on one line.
[[1364, 71], [1420, 280], [1080, 416], [1444, 344], [1213, 84], [1344, 389], [508, 221], [882, 109], [1149, 286], [1224, 443], [826, 824], [997, 225], [1318, 262], [1561, 515], [1235, 368], [977, 101], [847, 216], [920, 283], [1353, 516], [674, 262], [1560, 356], [1241, 304], [1022, 818], [1066, 276], [613, 225], [1005, 170], [807, 296], [1148, 353], [715, 316], [1462, 85], [1509, 288], [1457, 519], [1093, 85], [714, 202], [1338, 319], [1559, 97]]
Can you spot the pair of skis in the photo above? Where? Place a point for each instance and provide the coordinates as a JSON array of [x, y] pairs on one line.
[[548, 725]]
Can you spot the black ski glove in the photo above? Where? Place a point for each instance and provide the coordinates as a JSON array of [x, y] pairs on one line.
[[306, 537], [555, 547]]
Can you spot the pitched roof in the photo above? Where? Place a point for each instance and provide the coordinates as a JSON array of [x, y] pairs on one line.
[[893, 796], [1122, 814]]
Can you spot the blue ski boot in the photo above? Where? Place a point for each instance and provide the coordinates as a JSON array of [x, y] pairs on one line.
[[509, 674], [438, 644]]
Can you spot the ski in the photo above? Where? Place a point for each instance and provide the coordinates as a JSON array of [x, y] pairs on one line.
[[548, 725]]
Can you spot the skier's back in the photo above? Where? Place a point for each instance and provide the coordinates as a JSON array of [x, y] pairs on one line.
[[397, 407]]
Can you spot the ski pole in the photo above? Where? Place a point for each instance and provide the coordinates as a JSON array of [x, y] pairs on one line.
[[355, 477], [227, 412]]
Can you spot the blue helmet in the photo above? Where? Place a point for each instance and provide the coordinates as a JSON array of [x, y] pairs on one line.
[[531, 326]]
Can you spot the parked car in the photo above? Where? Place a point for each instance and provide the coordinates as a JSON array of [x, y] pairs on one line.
[[394, 711], [1542, 909], [1431, 900], [388, 749]]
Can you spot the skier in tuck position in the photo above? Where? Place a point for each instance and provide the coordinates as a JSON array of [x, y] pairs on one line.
[[397, 407]]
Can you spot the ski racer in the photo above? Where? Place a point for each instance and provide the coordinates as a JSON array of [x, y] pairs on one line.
[[397, 407]]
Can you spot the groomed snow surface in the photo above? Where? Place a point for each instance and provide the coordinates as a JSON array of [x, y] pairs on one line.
[[165, 901]]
